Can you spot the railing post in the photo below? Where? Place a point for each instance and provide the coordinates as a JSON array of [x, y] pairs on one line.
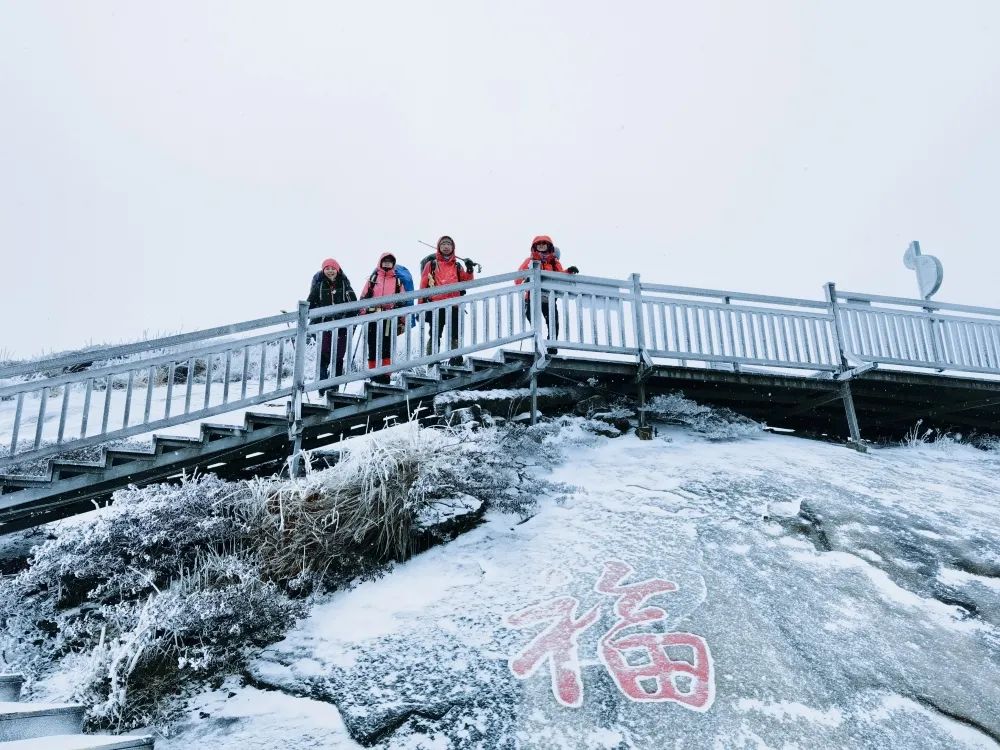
[[643, 359], [296, 468], [732, 342], [540, 342], [845, 384]]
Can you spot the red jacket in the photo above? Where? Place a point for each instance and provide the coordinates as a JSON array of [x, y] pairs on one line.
[[383, 284], [547, 261], [446, 270]]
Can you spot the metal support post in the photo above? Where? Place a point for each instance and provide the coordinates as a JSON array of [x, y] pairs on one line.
[[845, 387], [534, 396], [852, 417], [296, 467]]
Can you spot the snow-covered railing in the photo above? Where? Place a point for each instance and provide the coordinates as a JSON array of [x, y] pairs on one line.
[[50, 406], [918, 333]]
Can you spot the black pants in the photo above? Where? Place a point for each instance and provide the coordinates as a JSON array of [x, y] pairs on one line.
[[325, 352], [442, 316], [553, 323], [381, 334]]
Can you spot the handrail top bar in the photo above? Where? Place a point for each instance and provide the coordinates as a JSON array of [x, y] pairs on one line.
[[28, 386], [119, 350], [416, 294], [928, 304], [570, 278], [743, 296]]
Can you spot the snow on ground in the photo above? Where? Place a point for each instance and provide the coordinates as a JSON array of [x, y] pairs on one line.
[[767, 593]]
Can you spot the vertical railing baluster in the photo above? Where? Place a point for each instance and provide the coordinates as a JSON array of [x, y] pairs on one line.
[[246, 372], [730, 340], [189, 386], [171, 374], [752, 336], [17, 423], [148, 407], [228, 374], [209, 372], [85, 417], [62, 412], [108, 390], [40, 424], [664, 342], [262, 371], [281, 363], [128, 398]]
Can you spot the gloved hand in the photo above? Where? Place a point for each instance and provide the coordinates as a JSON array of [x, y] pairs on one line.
[[469, 265], [572, 269]]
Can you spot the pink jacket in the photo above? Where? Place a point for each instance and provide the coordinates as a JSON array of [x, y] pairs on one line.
[[382, 283]]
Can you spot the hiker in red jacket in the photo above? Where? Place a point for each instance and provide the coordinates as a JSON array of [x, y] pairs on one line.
[[543, 251], [440, 270], [382, 334]]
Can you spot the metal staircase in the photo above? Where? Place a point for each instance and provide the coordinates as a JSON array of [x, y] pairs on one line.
[[231, 451], [52, 726]]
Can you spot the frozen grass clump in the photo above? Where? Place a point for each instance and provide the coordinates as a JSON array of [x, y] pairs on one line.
[[712, 423], [174, 586]]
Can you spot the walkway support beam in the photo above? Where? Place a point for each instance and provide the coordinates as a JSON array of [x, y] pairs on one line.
[[296, 466], [845, 387]]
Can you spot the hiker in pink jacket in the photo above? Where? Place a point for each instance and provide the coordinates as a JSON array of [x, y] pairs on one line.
[[381, 335]]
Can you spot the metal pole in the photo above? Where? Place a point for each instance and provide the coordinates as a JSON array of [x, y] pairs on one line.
[[536, 311], [540, 344], [845, 387], [296, 468]]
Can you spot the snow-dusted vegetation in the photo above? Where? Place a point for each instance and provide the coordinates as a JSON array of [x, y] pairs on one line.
[[175, 585]]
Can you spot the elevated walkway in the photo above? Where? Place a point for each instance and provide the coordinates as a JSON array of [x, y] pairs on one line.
[[859, 366], [260, 445]]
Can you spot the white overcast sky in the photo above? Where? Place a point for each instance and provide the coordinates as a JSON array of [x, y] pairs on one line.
[[171, 166]]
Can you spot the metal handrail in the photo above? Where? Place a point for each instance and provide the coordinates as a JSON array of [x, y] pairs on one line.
[[229, 367]]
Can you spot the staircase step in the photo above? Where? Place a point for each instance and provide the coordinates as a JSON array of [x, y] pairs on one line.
[[256, 420], [23, 721], [68, 469], [211, 431], [309, 410], [374, 390], [10, 687], [82, 742], [337, 400], [115, 457], [419, 380], [171, 444], [450, 371], [518, 356], [16, 482], [478, 365]]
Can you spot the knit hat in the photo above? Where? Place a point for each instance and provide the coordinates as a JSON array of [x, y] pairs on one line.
[[331, 263]]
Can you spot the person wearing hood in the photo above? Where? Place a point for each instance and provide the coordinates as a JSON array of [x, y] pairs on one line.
[[382, 334], [330, 286], [543, 252], [442, 269]]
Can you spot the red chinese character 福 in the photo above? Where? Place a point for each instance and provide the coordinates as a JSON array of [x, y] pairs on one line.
[[557, 644], [639, 663]]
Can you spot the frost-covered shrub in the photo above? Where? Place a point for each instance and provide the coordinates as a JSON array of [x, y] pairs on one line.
[[208, 620], [136, 544], [713, 423]]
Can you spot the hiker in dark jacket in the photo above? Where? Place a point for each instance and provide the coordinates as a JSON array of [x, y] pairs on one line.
[[330, 286]]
